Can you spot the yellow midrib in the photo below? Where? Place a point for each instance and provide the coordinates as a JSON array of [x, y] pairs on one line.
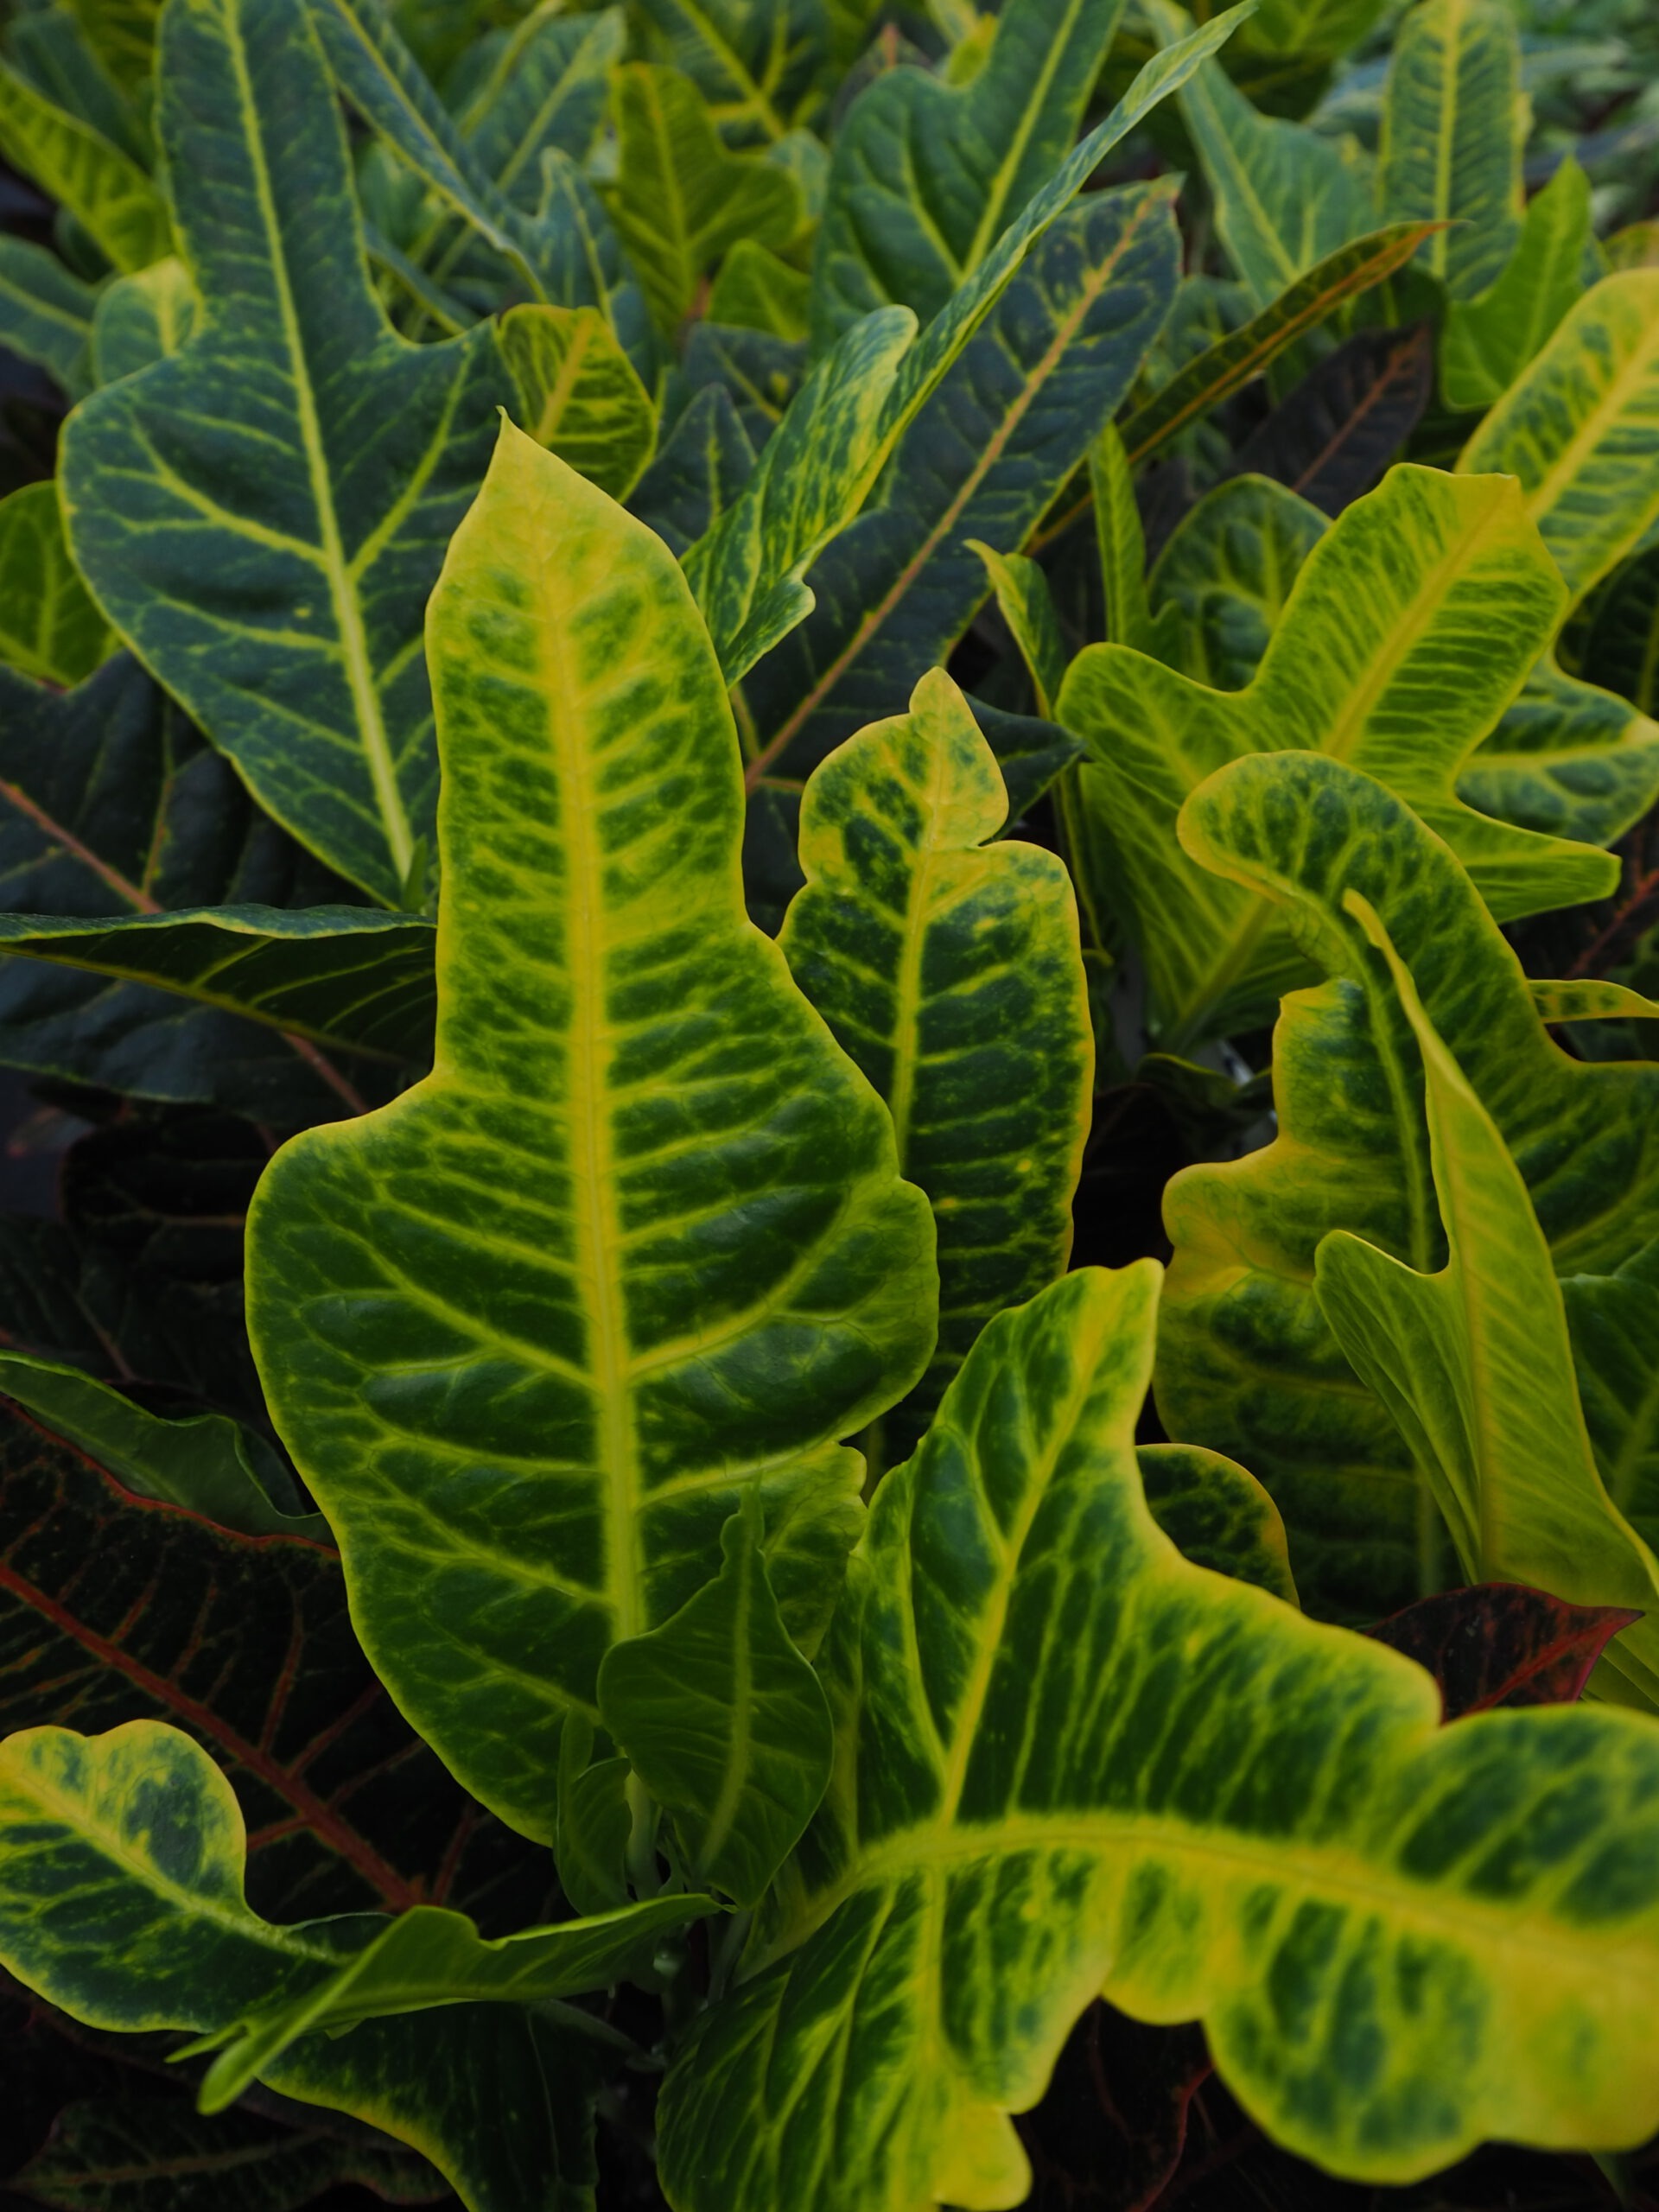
[[592, 1163], [991, 224], [907, 984], [348, 615], [1636, 371], [1445, 135]]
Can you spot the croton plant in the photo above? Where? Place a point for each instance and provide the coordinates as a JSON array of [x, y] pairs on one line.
[[692, 693]]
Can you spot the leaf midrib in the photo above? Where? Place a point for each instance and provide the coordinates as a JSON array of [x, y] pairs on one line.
[[993, 220], [348, 615]]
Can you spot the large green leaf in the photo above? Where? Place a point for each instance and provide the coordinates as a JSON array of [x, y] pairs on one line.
[[1580, 428], [1409, 628], [1567, 758], [1285, 196], [548, 88], [724, 1722], [984, 458], [121, 1900], [848, 417], [1070, 1762], [112, 813], [1247, 1363], [1475, 1366], [45, 313], [639, 1242], [142, 318], [1453, 121], [49, 626], [263, 515], [948, 966], [1216, 1513], [680, 199], [927, 175], [1489, 340], [105, 191]]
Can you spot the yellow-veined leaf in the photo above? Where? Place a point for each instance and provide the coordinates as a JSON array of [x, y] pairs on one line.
[[49, 624], [579, 393]]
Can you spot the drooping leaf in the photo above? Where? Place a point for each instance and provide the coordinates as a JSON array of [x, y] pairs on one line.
[[262, 514], [927, 174], [1247, 1363], [1475, 1364], [579, 394], [545, 1286], [724, 1722], [1501, 1644], [1217, 1514], [1073, 1762], [113, 808], [1453, 122], [1489, 338], [205, 1463], [949, 967], [1580, 428], [1331, 438], [49, 626], [142, 318], [754, 62], [680, 199], [1409, 628], [143, 2153], [1220, 370], [46, 312], [1227, 572], [1285, 196], [983, 460], [103, 188], [866, 392], [245, 1642], [122, 1903]]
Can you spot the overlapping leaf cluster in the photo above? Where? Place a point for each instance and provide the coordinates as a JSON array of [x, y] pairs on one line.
[[693, 695]]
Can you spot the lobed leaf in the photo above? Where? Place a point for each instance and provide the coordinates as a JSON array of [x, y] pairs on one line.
[[1071, 1762], [638, 1241], [949, 967]]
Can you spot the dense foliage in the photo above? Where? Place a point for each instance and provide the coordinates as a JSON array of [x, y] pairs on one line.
[[828, 875]]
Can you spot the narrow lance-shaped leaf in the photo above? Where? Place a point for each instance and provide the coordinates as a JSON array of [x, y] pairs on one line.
[[1026, 605], [849, 414], [724, 1722], [262, 514], [1232, 361], [639, 1241], [1475, 1366], [1071, 1763], [926, 174], [1247, 1363], [899, 587], [1453, 125], [948, 966], [133, 1844], [1409, 628], [105, 191]]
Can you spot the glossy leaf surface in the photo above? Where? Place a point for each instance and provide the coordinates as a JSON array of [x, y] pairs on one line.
[[1475, 1364], [724, 1722], [1396, 660], [1066, 1766], [263, 514], [639, 1240], [948, 966]]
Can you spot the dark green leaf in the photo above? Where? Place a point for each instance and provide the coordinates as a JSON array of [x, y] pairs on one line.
[[1334, 435]]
